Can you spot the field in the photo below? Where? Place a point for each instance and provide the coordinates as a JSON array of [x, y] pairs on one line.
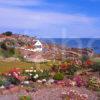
[[7, 66], [96, 59]]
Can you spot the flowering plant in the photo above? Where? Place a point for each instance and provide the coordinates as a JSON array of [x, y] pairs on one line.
[[74, 95], [94, 83], [79, 81]]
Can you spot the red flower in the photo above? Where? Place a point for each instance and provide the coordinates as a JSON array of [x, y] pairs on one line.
[[63, 66], [88, 62]]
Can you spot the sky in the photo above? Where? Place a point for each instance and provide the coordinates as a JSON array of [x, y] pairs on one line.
[[51, 18]]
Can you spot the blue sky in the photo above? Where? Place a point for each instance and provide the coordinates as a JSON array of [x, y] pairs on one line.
[[51, 18]]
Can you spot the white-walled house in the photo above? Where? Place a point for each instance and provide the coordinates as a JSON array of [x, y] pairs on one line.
[[37, 46]]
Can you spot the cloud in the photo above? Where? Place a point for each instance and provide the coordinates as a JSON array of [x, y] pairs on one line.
[[20, 2], [46, 24]]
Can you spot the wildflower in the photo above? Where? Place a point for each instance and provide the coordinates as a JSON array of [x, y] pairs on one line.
[[30, 70], [27, 71], [39, 81], [9, 74], [30, 74], [18, 72], [34, 71], [36, 76], [31, 67], [43, 80], [41, 70], [73, 83], [26, 82]]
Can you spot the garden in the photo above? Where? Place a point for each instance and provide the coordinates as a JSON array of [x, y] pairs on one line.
[[67, 75]]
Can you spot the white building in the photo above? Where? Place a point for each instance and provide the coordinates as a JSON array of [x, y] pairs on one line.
[[37, 46]]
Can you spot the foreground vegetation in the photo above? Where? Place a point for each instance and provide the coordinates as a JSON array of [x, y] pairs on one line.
[[7, 66]]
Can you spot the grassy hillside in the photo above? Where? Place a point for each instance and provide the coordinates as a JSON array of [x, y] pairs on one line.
[[7, 66]]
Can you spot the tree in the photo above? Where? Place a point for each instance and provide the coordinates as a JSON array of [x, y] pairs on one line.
[[8, 33]]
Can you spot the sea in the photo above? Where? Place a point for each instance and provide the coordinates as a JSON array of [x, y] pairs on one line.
[[93, 43]]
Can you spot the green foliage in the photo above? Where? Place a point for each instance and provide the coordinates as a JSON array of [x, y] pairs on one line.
[[96, 67], [25, 98], [72, 69], [3, 46], [94, 83], [84, 58], [55, 68], [8, 33], [1, 82], [59, 76], [13, 80], [44, 75], [8, 53]]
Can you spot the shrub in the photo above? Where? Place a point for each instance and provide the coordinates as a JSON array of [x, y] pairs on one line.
[[44, 75], [94, 83], [59, 76], [8, 33], [55, 68], [79, 81], [25, 98], [1, 82], [96, 67], [13, 80], [72, 69]]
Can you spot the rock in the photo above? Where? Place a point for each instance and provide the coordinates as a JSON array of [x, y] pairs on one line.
[[44, 80], [51, 81], [2, 87], [39, 81], [26, 82]]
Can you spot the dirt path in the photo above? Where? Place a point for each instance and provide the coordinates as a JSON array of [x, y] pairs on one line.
[[49, 94]]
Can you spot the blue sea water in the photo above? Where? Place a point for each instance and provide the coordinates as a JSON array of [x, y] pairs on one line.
[[93, 43]]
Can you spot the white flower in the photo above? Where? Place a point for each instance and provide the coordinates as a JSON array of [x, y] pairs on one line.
[[27, 71], [35, 71], [43, 80], [41, 70], [30, 74], [73, 83], [9, 74], [26, 82], [2, 87], [36, 76], [31, 70], [31, 67], [51, 81], [39, 81]]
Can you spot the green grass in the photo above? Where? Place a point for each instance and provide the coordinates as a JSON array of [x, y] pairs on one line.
[[96, 59], [7, 66]]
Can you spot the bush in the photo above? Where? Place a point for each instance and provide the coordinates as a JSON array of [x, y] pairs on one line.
[[1, 82], [8, 33], [72, 69], [25, 98], [94, 84], [44, 75], [13, 80], [59, 76], [55, 68], [96, 67]]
